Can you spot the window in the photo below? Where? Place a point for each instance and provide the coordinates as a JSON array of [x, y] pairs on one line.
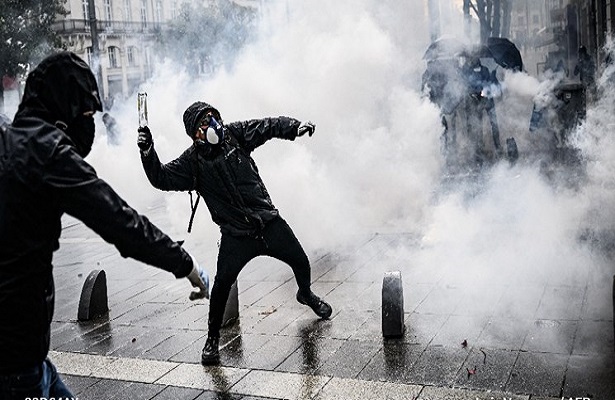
[[108, 15], [127, 11], [535, 19], [144, 12], [88, 52], [86, 10], [130, 56], [173, 9], [113, 57], [158, 16]]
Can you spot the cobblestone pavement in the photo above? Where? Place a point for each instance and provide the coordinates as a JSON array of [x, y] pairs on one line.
[[514, 338]]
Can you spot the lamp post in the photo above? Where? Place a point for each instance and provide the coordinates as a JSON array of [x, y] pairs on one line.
[[95, 47]]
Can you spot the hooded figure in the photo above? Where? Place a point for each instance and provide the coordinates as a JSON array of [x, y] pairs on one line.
[[42, 176], [218, 165]]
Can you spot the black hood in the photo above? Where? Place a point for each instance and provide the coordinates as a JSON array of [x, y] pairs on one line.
[[193, 115], [60, 88]]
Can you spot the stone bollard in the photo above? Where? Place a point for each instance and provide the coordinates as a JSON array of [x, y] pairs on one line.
[[93, 302], [231, 310], [392, 305]]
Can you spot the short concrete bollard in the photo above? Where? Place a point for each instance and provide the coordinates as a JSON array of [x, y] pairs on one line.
[[392, 305], [93, 302], [231, 311]]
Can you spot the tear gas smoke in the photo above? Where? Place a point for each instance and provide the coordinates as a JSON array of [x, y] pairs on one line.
[[374, 163]]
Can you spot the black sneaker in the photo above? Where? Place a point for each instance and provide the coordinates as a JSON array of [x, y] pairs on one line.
[[320, 307], [211, 355]]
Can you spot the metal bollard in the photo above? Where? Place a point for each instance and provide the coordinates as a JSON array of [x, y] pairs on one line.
[[93, 302], [392, 305], [231, 310]]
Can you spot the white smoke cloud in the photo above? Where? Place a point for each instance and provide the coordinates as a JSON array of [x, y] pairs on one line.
[[374, 163]]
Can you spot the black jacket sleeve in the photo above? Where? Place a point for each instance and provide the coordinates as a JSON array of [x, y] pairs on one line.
[[251, 134], [176, 175], [88, 198]]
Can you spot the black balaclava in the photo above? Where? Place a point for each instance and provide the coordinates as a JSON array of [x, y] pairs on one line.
[[59, 90]]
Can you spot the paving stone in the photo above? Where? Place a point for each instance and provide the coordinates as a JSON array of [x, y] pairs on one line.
[[239, 349], [280, 385], [120, 336], [591, 376], [173, 345], [219, 379], [440, 301], [594, 337], [458, 328], [77, 384], [81, 343], [348, 296], [272, 353], [371, 329], [346, 323], [422, 328], [350, 389], [212, 395], [393, 362], [145, 341], [436, 393], [561, 302], [78, 364], [177, 393], [104, 389], [520, 302], [505, 333], [478, 300], [492, 369], [349, 360], [275, 319], [146, 371], [538, 373], [597, 304], [551, 336], [313, 352], [437, 366], [138, 391]]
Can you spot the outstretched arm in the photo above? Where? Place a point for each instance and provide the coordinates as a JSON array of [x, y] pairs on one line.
[[253, 133]]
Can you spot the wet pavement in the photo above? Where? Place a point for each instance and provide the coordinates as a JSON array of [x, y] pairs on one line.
[[514, 337]]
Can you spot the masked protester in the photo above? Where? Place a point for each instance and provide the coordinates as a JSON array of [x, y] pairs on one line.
[[42, 176], [218, 166]]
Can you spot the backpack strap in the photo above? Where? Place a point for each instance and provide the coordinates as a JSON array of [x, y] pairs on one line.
[[193, 205]]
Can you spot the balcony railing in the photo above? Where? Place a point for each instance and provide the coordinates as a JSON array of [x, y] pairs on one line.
[[73, 26]]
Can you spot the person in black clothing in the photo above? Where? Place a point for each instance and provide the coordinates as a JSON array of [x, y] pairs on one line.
[[480, 82], [42, 176], [219, 167]]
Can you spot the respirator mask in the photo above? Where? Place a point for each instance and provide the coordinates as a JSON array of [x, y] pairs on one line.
[[211, 131]]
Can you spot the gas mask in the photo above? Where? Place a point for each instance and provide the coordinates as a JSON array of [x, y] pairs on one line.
[[211, 130]]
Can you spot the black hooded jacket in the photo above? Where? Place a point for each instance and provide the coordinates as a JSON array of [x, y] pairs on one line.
[[42, 176], [226, 175]]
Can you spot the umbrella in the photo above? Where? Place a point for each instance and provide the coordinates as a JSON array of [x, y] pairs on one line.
[[443, 48], [505, 53]]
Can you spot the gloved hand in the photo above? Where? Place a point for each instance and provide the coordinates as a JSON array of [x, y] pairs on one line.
[[306, 127], [199, 278], [145, 140]]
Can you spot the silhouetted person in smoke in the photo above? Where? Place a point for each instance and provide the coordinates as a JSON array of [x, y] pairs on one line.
[[113, 134], [42, 176], [442, 83], [219, 167], [586, 69], [480, 86]]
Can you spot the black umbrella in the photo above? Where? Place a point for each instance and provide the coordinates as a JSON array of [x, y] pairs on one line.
[[505, 53]]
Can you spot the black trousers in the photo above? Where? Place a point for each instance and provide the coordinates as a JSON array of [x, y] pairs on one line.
[[277, 240]]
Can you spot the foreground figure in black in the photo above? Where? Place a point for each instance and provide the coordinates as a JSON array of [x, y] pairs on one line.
[[42, 176], [219, 167]]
